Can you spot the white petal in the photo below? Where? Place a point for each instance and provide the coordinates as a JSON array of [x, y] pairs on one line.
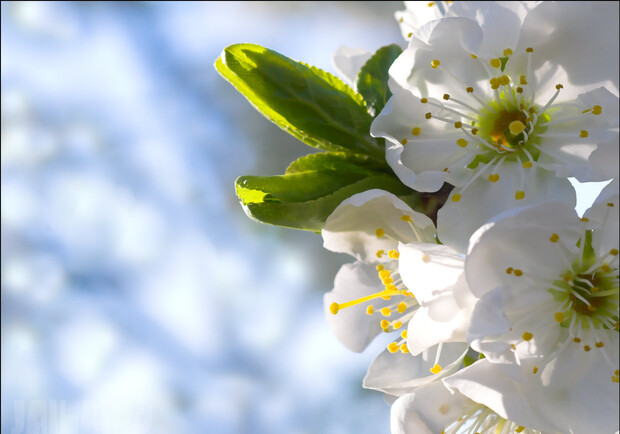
[[483, 200], [352, 326], [603, 217], [605, 159], [416, 14], [429, 270], [500, 387], [429, 409], [522, 240], [352, 227], [398, 373], [500, 22], [580, 36], [349, 61]]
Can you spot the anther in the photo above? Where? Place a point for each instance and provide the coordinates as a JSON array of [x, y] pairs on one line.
[[554, 238], [393, 347], [386, 311], [384, 324], [613, 252], [519, 89], [428, 115], [370, 310], [518, 272], [403, 141], [403, 334], [461, 142], [397, 325], [527, 336], [404, 349], [474, 131], [446, 96], [516, 127], [435, 63], [458, 124], [380, 232], [559, 316], [599, 344], [535, 370], [527, 164], [405, 218], [416, 131], [379, 253], [333, 308], [559, 86], [402, 306], [519, 195], [597, 110], [509, 270], [423, 100], [586, 348], [494, 177], [436, 369], [473, 56], [496, 63], [576, 340], [523, 80], [507, 52], [393, 254], [456, 197], [469, 89], [529, 50], [583, 133]]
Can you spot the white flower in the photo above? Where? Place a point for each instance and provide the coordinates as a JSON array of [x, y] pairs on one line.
[[403, 279], [418, 13], [554, 400], [504, 103], [432, 408], [547, 283], [349, 61]]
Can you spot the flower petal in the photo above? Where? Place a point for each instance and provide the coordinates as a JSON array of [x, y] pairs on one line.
[[349, 61], [483, 200], [352, 226], [352, 326]]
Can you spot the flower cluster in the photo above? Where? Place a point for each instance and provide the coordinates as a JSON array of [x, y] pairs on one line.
[[504, 317], [445, 175]]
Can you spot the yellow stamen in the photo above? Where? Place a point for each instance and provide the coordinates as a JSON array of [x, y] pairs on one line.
[[436, 369], [456, 197], [494, 177], [393, 254], [559, 316], [519, 195], [518, 272], [583, 134], [403, 141], [461, 142], [402, 306], [554, 238], [516, 127], [370, 309], [527, 336], [527, 164], [380, 232], [393, 347], [405, 218], [597, 110], [435, 63], [333, 308], [416, 131]]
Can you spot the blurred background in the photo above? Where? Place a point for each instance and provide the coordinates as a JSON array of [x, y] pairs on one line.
[[136, 294]]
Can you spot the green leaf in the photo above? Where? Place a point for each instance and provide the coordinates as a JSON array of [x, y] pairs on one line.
[[372, 81], [304, 200], [337, 161], [307, 102]]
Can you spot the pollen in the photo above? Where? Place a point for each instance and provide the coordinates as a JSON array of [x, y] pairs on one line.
[[403, 334], [586, 348], [456, 197], [504, 80], [473, 56], [380, 267], [404, 349], [523, 80], [518, 272], [599, 344], [559, 316], [333, 308], [436, 369], [613, 252], [461, 142], [397, 325], [519, 195], [527, 336], [393, 254], [519, 89], [435, 63], [559, 86], [507, 52], [597, 110], [535, 370], [446, 96], [494, 177], [416, 131], [474, 131], [423, 100], [379, 253], [529, 50], [384, 324], [583, 133], [576, 340], [509, 270], [402, 306], [494, 83], [428, 115], [403, 141], [516, 127], [496, 63], [469, 89], [554, 238], [370, 309], [393, 347], [380, 232], [458, 124]]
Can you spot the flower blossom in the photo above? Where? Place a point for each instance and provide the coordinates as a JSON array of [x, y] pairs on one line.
[[402, 281], [504, 100], [547, 283]]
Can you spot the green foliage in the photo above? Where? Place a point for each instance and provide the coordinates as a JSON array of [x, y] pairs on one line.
[[373, 78], [311, 104], [323, 112]]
